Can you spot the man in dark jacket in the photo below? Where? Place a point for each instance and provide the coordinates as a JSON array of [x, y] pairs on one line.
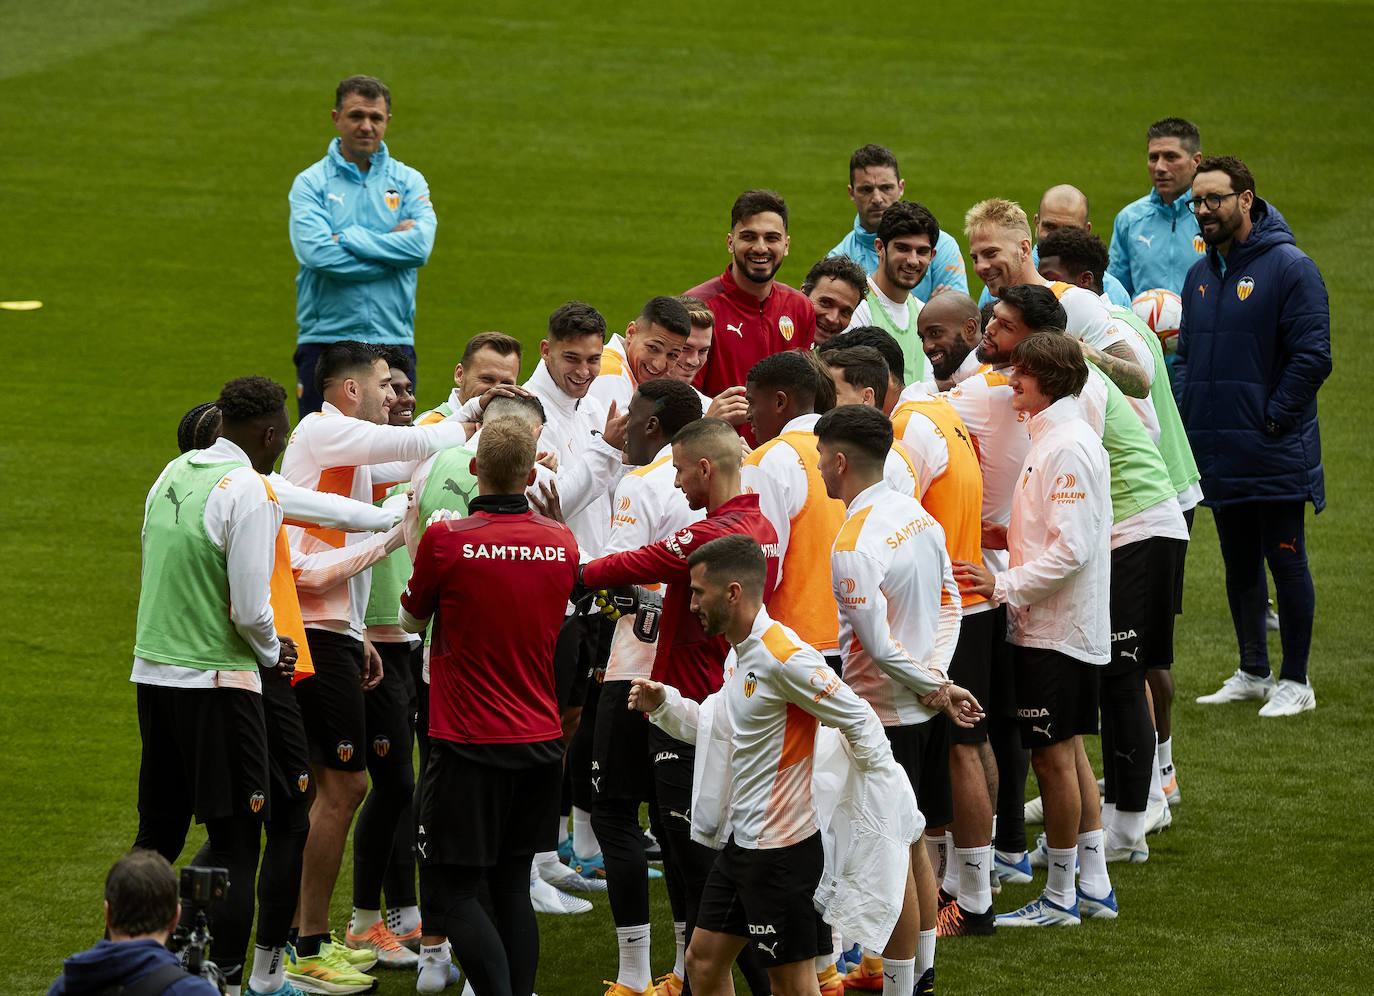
[[1254, 347], [141, 911]]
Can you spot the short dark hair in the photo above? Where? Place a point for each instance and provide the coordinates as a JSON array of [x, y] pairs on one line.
[[397, 359], [502, 344], [1241, 177], [839, 267], [825, 387], [863, 366], [1054, 360], [753, 202], [346, 358], [199, 427], [141, 889], [733, 558], [713, 438], [788, 372], [985, 314], [907, 218], [668, 313], [675, 403], [1185, 131], [246, 399], [857, 429], [574, 320], [517, 405], [879, 339], [368, 87], [1078, 250], [868, 156], [1040, 309]]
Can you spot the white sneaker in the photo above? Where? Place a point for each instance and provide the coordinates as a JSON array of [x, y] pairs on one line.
[[1289, 699], [546, 899], [563, 878], [1240, 687], [1035, 810], [1117, 848], [1158, 816]]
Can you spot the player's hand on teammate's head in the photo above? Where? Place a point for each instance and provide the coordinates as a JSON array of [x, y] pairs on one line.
[[729, 405], [502, 391], [646, 695]]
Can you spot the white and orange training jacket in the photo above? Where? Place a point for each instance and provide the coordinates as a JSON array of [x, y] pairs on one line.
[[777, 690], [899, 603]]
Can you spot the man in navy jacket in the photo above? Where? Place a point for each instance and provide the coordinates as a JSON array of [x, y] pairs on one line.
[[1254, 348]]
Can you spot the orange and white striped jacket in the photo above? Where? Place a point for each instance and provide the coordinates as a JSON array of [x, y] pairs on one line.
[[777, 689]]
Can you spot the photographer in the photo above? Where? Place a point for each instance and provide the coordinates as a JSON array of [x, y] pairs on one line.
[[141, 911]]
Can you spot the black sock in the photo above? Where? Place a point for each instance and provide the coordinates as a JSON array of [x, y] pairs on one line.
[[309, 944]]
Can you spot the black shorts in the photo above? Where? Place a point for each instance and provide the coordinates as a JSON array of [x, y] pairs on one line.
[[923, 752], [765, 895], [620, 747], [1182, 561], [332, 701], [1056, 697], [982, 637], [584, 645], [671, 762], [1143, 603], [204, 753], [388, 709], [288, 750], [480, 803]]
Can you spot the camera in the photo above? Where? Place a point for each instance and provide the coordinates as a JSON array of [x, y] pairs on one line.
[[199, 887]]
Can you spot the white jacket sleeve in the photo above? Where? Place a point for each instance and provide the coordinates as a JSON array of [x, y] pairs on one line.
[[340, 441], [951, 615], [771, 476], [319, 508], [250, 541], [316, 573], [584, 478], [1074, 529], [868, 619], [806, 681], [677, 716]]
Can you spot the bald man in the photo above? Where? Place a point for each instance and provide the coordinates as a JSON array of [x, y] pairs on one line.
[[1065, 206], [949, 328]]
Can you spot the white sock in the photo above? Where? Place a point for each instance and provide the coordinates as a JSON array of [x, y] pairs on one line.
[[363, 919], [975, 888], [634, 957], [585, 844], [925, 951], [1059, 882], [1164, 754], [233, 990], [403, 919], [1108, 815], [1128, 826], [434, 962], [562, 828], [899, 977], [935, 851], [1156, 786], [546, 858], [269, 969], [950, 879], [680, 942], [1092, 865], [824, 961]]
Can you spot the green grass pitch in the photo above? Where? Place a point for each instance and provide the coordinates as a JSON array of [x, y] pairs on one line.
[[592, 151]]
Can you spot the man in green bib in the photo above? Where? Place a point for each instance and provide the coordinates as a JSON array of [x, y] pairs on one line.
[[905, 241], [205, 643]]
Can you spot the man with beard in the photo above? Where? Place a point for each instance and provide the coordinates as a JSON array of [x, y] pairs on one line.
[[1254, 348], [755, 315], [949, 328], [906, 245], [835, 286]]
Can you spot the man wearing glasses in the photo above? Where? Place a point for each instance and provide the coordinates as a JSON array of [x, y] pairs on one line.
[[1254, 347]]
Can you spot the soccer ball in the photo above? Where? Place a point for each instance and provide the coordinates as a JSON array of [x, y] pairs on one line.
[[1162, 310]]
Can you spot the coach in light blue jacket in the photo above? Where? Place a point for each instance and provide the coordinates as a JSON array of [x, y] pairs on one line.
[[361, 225]]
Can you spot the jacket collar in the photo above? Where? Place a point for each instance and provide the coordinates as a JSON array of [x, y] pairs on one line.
[[342, 165], [868, 496], [862, 233], [1064, 410], [1178, 208], [542, 385]]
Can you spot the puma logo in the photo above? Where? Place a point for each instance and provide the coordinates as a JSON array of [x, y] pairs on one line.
[[890, 975], [1043, 731], [1131, 654], [973, 864], [1092, 847], [334, 197], [596, 784], [1061, 866], [451, 485], [770, 948], [171, 496], [1146, 241], [1291, 546], [1126, 755], [684, 817], [737, 329]]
